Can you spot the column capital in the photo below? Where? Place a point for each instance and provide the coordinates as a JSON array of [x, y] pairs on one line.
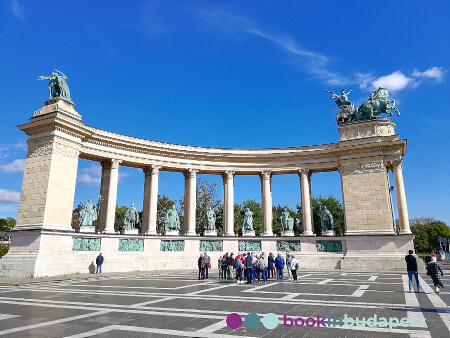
[[191, 173], [155, 169], [303, 171], [265, 174], [115, 163], [228, 174], [106, 164], [397, 164]]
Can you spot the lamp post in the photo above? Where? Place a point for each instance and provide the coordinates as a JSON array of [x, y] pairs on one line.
[[391, 189]]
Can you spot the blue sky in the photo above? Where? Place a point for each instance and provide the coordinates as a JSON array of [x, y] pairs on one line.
[[230, 74]]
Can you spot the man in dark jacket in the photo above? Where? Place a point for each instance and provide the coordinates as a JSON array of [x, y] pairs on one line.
[[279, 265], [230, 266], [411, 267], [249, 267], [99, 262]]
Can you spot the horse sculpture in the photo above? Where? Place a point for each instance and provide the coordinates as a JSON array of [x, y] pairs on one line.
[[377, 104]]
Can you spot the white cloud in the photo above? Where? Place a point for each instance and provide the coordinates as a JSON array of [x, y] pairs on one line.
[[15, 166], [392, 82], [17, 10], [436, 73], [7, 196], [88, 179]]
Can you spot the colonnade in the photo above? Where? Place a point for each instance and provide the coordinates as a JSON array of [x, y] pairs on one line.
[[108, 192]]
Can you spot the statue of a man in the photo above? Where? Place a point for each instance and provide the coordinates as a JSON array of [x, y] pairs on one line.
[[210, 220], [88, 214], [131, 218], [248, 220], [341, 100], [326, 220], [287, 221], [57, 85], [172, 220]]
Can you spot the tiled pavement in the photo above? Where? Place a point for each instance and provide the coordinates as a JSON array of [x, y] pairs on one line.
[[179, 305]]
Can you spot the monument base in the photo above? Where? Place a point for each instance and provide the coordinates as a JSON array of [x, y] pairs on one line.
[[210, 233], [129, 232], [86, 229], [33, 252], [172, 233], [249, 233], [329, 233], [288, 233]]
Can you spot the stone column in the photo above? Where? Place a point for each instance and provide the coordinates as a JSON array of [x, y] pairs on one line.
[[149, 209], [190, 202], [266, 198], [111, 197], [104, 187], [397, 169], [306, 202], [224, 194], [229, 197]]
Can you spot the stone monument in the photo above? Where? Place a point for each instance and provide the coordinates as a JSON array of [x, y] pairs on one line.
[[172, 222], [327, 222], [57, 85], [130, 221], [210, 223], [247, 228], [288, 223]]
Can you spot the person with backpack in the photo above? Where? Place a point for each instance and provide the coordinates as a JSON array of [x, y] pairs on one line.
[[224, 264], [259, 265], [238, 269], [249, 267], [279, 265], [294, 267]]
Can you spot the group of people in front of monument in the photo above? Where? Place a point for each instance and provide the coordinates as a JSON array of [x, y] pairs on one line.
[[434, 270], [250, 266]]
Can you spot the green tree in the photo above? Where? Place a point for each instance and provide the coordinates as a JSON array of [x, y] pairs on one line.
[[434, 230], [420, 240], [118, 221]]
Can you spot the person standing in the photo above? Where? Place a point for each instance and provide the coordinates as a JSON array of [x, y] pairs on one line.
[[99, 262], [266, 265], [411, 267], [207, 262], [201, 265], [230, 266], [271, 263], [288, 265], [294, 267], [224, 264], [249, 267], [239, 265], [279, 265], [435, 272]]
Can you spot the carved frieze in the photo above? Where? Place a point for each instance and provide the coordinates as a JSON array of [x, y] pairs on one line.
[[52, 147], [360, 168]]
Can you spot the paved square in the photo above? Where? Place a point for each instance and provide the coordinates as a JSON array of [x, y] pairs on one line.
[[179, 305]]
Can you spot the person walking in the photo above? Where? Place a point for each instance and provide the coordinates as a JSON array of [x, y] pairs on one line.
[[201, 265], [435, 272], [294, 267], [99, 261], [207, 265], [249, 267], [411, 267], [279, 265]]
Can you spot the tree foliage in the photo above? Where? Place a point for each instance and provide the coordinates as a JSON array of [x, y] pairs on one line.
[[427, 230]]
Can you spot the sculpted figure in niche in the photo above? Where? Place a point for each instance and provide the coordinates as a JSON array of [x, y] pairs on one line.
[[287, 221], [88, 214], [248, 220], [172, 220], [131, 218], [327, 220], [210, 220]]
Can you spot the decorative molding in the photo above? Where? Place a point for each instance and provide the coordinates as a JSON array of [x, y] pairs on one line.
[[229, 174], [191, 173], [115, 163], [249, 246], [360, 168], [155, 169], [303, 171], [211, 246], [52, 147], [172, 245], [86, 244], [293, 246], [266, 174], [65, 150], [397, 164], [329, 246], [131, 245]]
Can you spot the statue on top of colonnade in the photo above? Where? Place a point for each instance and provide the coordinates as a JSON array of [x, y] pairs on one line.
[[57, 85], [377, 104]]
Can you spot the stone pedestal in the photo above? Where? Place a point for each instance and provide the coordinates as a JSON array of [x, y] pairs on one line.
[[287, 233], [87, 229], [249, 233], [172, 233], [378, 126], [129, 232], [329, 233], [210, 233]]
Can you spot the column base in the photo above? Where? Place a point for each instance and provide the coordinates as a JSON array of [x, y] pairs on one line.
[[172, 233], [268, 234], [150, 233], [329, 233], [192, 233], [109, 232], [287, 233], [210, 233], [308, 233], [405, 232], [86, 229], [230, 235], [129, 232]]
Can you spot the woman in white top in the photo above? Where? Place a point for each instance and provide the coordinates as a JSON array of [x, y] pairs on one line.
[[294, 267]]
